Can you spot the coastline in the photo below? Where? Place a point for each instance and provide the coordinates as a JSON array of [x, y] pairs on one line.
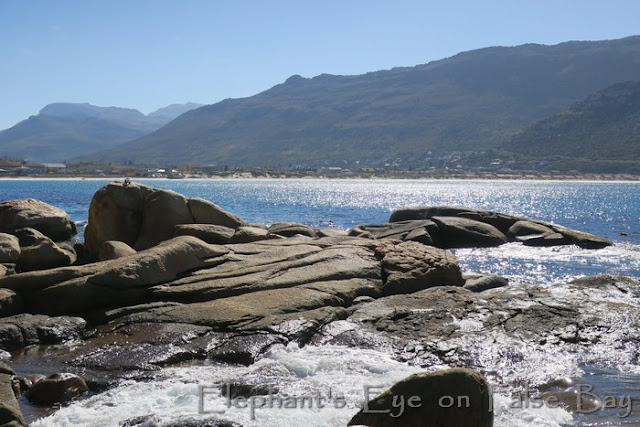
[[244, 177]]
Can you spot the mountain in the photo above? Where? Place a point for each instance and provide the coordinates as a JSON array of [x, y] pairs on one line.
[[170, 112], [603, 126], [472, 101], [64, 130]]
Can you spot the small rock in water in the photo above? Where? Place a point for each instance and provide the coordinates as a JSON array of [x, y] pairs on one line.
[[57, 388], [451, 397]]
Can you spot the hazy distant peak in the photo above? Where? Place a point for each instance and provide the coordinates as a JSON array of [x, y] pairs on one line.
[[63, 109], [172, 111]]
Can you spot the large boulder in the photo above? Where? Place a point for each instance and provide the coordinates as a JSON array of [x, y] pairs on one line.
[[9, 248], [49, 220], [142, 216], [206, 212], [411, 267], [467, 233], [115, 213], [57, 388], [43, 255], [162, 211], [451, 397]]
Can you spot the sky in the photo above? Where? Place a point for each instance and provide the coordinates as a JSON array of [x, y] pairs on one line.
[[147, 54]]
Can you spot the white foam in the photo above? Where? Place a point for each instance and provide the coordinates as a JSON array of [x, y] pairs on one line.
[[338, 374]]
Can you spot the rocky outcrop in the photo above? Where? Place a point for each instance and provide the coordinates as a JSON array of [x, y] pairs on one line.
[[49, 220], [57, 388], [45, 254], [142, 216], [466, 227], [111, 283], [9, 248], [290, 229], [450, 397]]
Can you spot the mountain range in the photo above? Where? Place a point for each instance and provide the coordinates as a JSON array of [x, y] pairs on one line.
[[62, 131], [497, 98]]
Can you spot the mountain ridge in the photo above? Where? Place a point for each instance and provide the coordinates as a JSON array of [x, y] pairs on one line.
[[474, 100], [64, 130]]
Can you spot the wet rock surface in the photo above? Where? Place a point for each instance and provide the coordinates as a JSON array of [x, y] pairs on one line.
[[429, 393], [207, 286], [508, 329]]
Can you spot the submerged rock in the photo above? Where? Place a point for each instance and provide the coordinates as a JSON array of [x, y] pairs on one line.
[[451, 397], [57, 388]]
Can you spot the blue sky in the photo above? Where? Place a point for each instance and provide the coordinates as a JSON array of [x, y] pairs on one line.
[[147, 54]]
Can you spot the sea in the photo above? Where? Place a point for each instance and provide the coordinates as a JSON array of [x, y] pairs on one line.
[[176, 394]]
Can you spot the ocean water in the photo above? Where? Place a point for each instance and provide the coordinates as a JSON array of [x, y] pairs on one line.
[[609, 209]]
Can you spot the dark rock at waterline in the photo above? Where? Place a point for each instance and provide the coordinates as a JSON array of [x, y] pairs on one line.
[[485, 282], [49, 220], [516, 228], [25, 329], [57, 388], [467, 233], [451, 397]]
